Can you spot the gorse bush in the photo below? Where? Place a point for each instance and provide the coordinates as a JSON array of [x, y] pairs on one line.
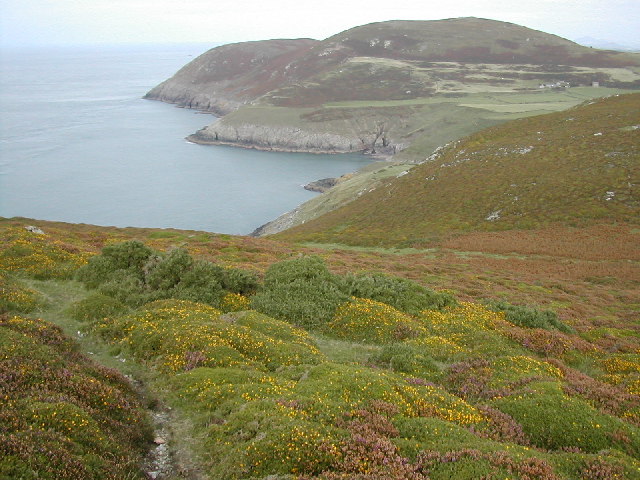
[[530, 317], [38, 255], [301, 291], [94, 307], [14, 297], [402, 294], [135, 274], [178, 335], [406, 358], [366, 320]]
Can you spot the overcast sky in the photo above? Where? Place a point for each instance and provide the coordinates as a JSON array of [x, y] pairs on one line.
[[60, 22]]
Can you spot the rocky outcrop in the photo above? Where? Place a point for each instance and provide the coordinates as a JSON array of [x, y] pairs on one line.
[[276, 138], [321, 185]]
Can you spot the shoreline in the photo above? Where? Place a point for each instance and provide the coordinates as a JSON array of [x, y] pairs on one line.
[[198, 141]]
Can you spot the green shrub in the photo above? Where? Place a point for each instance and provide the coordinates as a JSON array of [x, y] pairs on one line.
[[310, 269], [123, 257], [96, 306], [134, 274], [530, 317], [552, 420], [126, 287], [405, 295], [164, 272], [405, 358], [301, 291], [201, 283], [239, 281]]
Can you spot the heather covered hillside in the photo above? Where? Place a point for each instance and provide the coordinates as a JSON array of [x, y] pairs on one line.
[[574, 168], [270, 360]]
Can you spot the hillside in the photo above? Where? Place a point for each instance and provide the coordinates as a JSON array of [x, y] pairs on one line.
[[224, 78], [575, 168], [387, 86], [262, 360]]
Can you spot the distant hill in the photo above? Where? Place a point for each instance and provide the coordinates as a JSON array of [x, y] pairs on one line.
[[223, 78], [577, 167], [382, 87]]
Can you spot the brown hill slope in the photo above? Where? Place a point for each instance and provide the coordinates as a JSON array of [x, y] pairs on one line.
[[223, 78], [577, 167]]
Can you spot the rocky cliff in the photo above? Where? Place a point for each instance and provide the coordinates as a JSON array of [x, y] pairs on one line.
[[276, 138]]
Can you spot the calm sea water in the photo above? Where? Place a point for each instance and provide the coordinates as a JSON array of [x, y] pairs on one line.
[[78, 144]]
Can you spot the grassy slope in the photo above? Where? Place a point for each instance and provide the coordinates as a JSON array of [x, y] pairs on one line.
[[261, 425], [525, 174]]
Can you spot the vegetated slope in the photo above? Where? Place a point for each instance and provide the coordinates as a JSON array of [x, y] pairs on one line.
[[580, 166], [62, 416], [326, 376], [223, 78], [374, 88]]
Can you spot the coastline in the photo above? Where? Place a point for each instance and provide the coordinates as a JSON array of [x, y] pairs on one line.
[[193, 138]]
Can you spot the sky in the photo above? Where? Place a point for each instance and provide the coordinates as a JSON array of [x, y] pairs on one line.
[[70, 22]]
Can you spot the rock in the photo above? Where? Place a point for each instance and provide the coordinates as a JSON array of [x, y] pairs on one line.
[[159, 440], [278, 138], [321, 185], [33, 229]]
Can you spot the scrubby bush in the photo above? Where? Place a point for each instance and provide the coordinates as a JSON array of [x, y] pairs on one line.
[[301, 291], [126, 256], [164, 272], [200, 283], [402, 294], [134, 274], [530, 317], [94, 307], [15, 297]]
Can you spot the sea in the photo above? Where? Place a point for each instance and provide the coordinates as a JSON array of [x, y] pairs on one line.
[[79, 144]]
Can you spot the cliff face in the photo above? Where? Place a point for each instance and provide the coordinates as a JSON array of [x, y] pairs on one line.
[[276, 138]]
